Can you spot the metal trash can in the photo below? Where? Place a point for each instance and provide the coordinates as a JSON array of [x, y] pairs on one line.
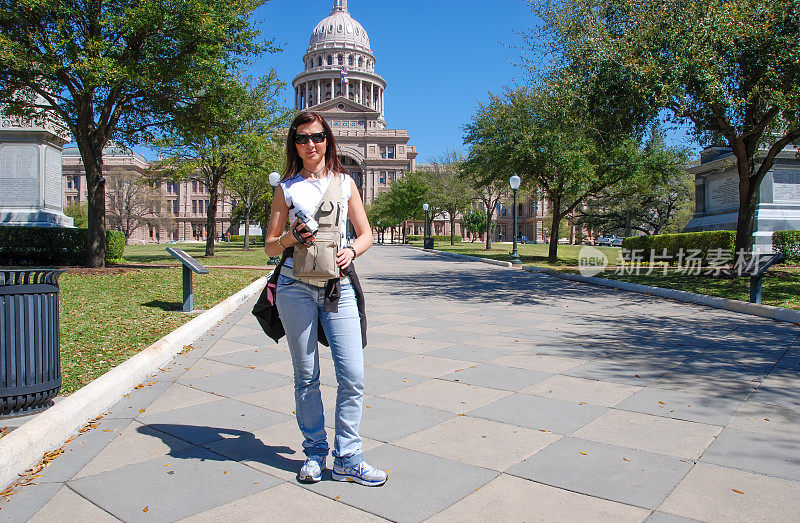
[[30, 355]]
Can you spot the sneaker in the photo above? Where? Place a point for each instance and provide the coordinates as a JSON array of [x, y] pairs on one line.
[[311, 471], [361, 473]]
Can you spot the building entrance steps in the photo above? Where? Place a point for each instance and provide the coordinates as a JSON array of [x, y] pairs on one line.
[[490, 393]]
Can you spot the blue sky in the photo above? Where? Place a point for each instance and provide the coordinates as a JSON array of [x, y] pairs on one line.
[[439, 58]]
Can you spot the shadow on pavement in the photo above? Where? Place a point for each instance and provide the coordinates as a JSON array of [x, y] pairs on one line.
[[224, 444]]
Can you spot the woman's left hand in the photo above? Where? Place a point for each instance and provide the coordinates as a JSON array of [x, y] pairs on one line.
[[344, 258]]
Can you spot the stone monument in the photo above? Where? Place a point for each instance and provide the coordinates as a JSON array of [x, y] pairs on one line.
[[30, 171], [717, 196]]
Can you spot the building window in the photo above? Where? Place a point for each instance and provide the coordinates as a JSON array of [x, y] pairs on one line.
[[330, 59], [360, 62], [350, 60], [175, 207], [194, 206], [319, 61], [340, 59], [391, 176], [382, 178], [390, 151]]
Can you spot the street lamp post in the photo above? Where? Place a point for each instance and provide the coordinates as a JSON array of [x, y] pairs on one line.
[[515, 181], [427, 242], [274, 179], [379, 231]]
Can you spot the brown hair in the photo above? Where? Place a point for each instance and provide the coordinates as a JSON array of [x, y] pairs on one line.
[[293, 161]]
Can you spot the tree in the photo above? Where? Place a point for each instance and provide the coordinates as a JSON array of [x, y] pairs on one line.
[[405, 198], [448, 191], [248, 181], [115, 69], [547, 137], [731, 67], [79, 212], [659, 197], [210, 141], [474, 222], [132, 203]]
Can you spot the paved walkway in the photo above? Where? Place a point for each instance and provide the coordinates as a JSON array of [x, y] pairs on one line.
[[493, 394]]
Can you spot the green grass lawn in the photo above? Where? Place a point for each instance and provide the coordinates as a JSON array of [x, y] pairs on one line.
[[109, 315], [224, 254], [781, 284]]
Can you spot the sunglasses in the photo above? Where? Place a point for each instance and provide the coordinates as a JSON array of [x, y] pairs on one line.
[[302, 139]]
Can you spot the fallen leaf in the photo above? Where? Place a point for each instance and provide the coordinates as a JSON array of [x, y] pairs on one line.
[[636, 376], [145, 509], [737, 491], [584, 453], [225, 472], [766, 419], [337, 498], [661, 403], [141, 410], [625, 459]]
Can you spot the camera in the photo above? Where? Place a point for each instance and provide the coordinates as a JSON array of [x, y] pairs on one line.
[[311, 224]]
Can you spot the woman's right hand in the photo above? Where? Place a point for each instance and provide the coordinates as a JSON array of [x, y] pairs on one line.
[[301, 231]]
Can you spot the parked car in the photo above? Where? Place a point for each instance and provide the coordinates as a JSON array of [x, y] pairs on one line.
[[610, 241]]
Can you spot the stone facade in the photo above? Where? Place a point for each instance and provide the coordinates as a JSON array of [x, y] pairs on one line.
[[181, 214], [339, 49], [717, 195]]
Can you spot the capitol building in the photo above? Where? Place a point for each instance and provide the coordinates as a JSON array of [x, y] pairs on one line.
[[339, 82]]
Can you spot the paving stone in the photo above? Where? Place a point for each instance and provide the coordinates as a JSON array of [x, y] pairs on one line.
[[135, 444], [781, 387], [66, 505], [205, 367], [770, 455], [131, 403], [681, 405], [681, 439], [540, 362], [712, 493], [411, 345], [615, 473], [663, 517], [251, 337], [636, 372], [561, 417], [281, 399], [27, 500], [172, 487], [419, 485], [388, 420], [480, 442], [252, 507], [178, 396], [497, 377], [404, 330], [208, 422], [446, 395], [224, 346], [374, 356], [773, 420], [580, 390], [471, 353], [236, 382], [78, 452], [250, 357], [534, 502], [424, 365]]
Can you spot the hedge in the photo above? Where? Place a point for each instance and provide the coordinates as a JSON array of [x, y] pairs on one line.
[[688, 241], [436, 238], [254, 238], [787, 242], [52, 246]]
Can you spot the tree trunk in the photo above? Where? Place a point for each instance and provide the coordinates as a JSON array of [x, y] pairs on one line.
[[488, 228], [96, 188], [211, 220], [627, 223], [452, 228], [552, 255], [748, 200], [247, 229]]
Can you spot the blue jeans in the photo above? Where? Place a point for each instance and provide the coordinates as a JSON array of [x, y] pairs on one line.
[[300, 307]]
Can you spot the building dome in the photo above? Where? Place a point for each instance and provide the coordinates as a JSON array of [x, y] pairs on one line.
[[339, 30]]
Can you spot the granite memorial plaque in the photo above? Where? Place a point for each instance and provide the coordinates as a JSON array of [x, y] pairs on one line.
[[723, 192], [19, 172], [786, 185], [52, 178]]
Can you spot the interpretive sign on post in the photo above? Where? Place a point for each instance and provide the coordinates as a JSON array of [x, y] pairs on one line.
[[190, 265]]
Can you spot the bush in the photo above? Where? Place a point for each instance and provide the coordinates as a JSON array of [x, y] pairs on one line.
[[436, 238], [788, 243], [689, 241], [52, 246], [254, 238]]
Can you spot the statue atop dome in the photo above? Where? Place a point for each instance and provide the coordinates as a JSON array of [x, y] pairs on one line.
[[339, 5]]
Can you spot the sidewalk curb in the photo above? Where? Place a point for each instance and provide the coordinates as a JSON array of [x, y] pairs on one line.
[[463, 256], [25, 446], [754, 309]]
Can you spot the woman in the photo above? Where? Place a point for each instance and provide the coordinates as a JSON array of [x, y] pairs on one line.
[[312, 164]]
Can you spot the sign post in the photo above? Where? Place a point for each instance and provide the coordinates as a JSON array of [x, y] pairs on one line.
[[190, 265]]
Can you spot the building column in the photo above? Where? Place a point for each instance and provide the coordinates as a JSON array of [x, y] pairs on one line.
[[371, 96], [319, 92], [381, 95], [308, 91], [297, 98], [333, 90], [361, 92]]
